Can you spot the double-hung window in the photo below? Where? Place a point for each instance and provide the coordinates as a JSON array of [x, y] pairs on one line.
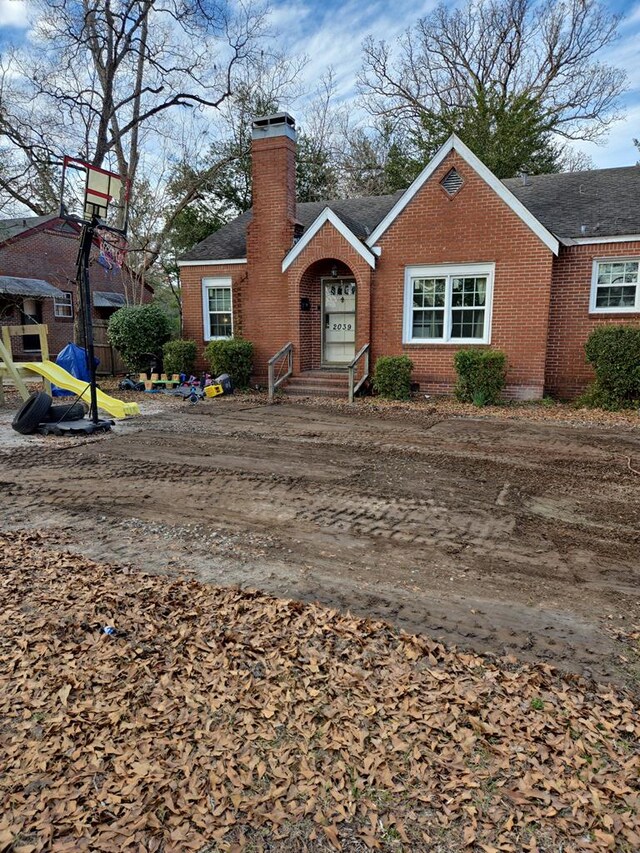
[[448, 304], [63, 306], [217, 308], [615, 286]]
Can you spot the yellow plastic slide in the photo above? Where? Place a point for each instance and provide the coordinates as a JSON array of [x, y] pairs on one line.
[[59, 376]]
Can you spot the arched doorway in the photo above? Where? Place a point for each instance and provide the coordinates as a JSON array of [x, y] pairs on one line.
[[328, 315]]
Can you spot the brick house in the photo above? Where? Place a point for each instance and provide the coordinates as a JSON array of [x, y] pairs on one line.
[[528, 265], [44, 248]]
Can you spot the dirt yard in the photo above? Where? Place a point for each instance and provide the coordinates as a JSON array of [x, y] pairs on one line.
[[508, 536]]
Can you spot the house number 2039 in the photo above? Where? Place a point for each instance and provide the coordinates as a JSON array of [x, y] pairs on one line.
[[341, 327]]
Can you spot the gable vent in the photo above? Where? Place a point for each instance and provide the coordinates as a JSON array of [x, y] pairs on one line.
[[452, 182]]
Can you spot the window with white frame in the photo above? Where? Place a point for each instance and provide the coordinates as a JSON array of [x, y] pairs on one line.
[[615, 286], [63, 306], [217, 308], [448, 304]]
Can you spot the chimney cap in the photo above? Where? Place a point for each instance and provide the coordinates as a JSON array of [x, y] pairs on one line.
[[276, 124]]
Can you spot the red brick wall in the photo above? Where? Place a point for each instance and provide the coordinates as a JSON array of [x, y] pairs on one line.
[[570, 321], [192, 313], [50, 254], [475, 226], [267, 319]]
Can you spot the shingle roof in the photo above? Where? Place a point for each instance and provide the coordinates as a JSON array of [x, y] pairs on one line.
[[603, 202], [12, 227], [11, 285], [599, 203], [361, 215]]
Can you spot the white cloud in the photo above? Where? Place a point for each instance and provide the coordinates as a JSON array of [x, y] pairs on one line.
[[14, 13], [331, 34]]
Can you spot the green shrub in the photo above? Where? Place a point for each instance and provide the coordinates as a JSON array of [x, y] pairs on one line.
[[392, 377], [481, 375], [614, 353], [138, 333], [179, 356], [232, 356]]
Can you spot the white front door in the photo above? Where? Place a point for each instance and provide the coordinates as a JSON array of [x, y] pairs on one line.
[[338, 320]]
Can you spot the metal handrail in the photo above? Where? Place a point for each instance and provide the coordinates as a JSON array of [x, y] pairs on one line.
[[353, 388], [287, 350]]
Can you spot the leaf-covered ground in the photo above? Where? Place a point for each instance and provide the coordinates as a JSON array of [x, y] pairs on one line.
[[220, 719]]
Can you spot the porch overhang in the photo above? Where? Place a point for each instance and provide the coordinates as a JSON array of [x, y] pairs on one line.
[[329, 216], [36, 288]]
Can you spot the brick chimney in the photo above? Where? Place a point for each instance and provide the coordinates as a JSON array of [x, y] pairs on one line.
[[273, 175], [270, 235]]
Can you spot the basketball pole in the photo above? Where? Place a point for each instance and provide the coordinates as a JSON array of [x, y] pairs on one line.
[[82, 276]]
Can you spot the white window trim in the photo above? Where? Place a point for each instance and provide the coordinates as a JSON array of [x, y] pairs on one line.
[[67, 304], [441, 271], [208, 283], [593, 309]]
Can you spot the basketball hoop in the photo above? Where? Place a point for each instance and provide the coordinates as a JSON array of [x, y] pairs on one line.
[[99, 201], [89, 193]]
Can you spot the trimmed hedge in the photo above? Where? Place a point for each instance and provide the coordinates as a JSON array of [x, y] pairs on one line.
[[138, 333], [481, 376], [233, 356], [179, 356], [392, 377], [614, 353]]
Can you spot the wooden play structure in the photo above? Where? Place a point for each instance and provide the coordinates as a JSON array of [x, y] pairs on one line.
[[14, 370]]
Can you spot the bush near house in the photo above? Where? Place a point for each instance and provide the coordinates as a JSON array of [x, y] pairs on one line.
[[233, 356], [481, 376], [392, 377], [138, 333], [179, 356], [614, 353]]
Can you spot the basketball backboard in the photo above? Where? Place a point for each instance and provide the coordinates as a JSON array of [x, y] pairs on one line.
[[89, 191]]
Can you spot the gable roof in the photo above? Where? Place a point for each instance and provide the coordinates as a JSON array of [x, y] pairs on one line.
[[18, 224], [555, 206], [342, 227], [576, 205], [360, 215], [455, 144]]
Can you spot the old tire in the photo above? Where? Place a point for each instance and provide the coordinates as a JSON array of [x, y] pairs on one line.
[[32, 412], [70, 412]]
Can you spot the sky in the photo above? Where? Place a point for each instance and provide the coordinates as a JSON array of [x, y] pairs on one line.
[[330, 33]]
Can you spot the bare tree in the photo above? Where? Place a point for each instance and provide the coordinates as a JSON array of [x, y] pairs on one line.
[[551, 54], [99, 76]]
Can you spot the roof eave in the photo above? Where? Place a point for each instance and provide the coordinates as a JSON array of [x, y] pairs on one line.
[[216, 262]]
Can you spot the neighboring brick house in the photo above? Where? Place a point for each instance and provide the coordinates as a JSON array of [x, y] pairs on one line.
[[528, 265], [45, 248]]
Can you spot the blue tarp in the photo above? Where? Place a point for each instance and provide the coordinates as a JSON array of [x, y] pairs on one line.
[[74, 360]]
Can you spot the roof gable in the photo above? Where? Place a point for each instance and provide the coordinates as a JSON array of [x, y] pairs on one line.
[[22, 225], [329, 216], [455, 144]]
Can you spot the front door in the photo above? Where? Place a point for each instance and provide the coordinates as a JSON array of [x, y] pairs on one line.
[[338, 320]]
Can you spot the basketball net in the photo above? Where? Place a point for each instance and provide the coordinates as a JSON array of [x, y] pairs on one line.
[[113, 249]]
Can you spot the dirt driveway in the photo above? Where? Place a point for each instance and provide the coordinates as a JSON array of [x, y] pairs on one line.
[[513, 537]]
